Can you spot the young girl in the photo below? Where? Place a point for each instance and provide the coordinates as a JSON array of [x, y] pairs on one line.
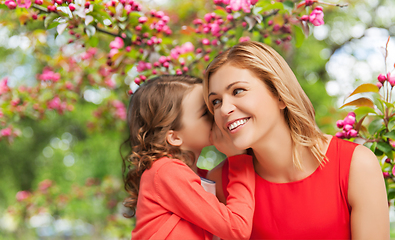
[[308, 185], [169, 124]]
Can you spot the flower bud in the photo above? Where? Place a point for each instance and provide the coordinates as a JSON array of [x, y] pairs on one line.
[[339, 135], [353, 133], [347, 127], [349, 120], [71, 7], [386, 174], [339, 123], [381, 78]]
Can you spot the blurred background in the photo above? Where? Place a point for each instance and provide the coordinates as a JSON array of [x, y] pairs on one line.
[[72, 161]]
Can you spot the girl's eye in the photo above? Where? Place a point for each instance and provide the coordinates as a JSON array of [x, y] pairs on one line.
[[215, 102], [237, 91], [205, 113]]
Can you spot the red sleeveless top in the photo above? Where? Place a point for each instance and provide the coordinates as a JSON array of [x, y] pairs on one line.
[[315, 207]]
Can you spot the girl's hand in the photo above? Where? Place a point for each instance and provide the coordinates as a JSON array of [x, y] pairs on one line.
[[223, 143]]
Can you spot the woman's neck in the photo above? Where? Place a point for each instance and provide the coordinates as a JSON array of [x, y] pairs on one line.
[[273, 159]]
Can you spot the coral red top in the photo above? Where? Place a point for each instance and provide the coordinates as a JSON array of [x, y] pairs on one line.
[[173, 205], [312, 208]]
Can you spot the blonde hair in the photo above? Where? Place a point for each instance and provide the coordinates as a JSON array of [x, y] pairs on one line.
[[265, 63], [154, 109]]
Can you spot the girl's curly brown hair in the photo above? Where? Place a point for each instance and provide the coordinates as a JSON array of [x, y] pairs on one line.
[[154, 109]]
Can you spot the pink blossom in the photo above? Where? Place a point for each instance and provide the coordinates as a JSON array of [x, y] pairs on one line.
[[188, 47], [197, 21], [110, 83], [10, 4], [393, 170], [205, 41], [226, 2], [113, 52], [1, 114], [386, 174], [253, 2], [235, 4], [5, 132], [244, 39], [381, 78], [317, 17], [391, 79], [22, 195], [207, 17], [55, 103], [340, 123], [347, 127], [339, 135], [353, 133], [118, 104], [246, 6], [215, 29], [141, 66], [3, 85], [44, 185], [379, 85], [117, 43], [217, 2], [349, 120], [49, 75], [304, 18], [143, 19]]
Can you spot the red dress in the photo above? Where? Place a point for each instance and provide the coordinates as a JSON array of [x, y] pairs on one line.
[[312, 208]]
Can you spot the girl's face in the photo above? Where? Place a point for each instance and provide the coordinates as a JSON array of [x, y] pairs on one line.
[[196, 121], [243, 106]]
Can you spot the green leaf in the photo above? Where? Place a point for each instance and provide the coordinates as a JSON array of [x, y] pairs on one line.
[[363, 111], [379, 104], [375, 125], [239, 32], [49, 19], [276, 5], [366, 87], [390, 135], [93, 41], [360, 102], [256, 10], [391, 123], [289, 5], [384, 147], [299, 36], [53, 24], [390, 154]]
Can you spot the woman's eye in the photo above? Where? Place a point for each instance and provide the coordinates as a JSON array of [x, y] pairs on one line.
[[237, 91], [215, 102]]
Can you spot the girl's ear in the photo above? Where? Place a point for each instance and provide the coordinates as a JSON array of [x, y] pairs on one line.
[[173, 138]]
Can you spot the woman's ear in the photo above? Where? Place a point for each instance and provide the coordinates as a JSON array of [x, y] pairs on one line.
[[173, 138], [281, 104]]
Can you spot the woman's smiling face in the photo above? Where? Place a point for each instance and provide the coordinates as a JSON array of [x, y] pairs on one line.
[[243, 106]]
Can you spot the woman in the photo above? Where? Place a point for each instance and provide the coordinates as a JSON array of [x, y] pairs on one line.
[[308, 185]]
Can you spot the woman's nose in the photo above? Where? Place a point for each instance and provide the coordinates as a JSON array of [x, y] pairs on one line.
[[227, 107]]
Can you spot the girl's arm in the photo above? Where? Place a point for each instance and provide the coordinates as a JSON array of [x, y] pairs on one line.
[[180, 192], [367, 197], [215, 175]]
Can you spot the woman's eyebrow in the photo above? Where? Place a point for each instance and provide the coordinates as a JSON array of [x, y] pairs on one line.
[[227, 88]]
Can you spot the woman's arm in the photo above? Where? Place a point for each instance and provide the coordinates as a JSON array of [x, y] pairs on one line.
[[215, 175], [180, 192], [367, 197]]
